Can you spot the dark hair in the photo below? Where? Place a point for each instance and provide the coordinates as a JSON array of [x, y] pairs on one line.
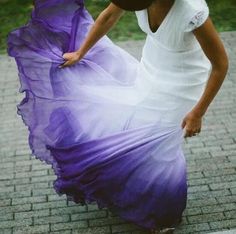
[[132, 5]]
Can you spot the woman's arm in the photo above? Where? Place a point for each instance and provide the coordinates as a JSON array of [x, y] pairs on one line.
[[104, 22], [215, 51]]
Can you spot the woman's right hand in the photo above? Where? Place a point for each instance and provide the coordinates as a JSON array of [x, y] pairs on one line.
[[105, 21], [71, 59]]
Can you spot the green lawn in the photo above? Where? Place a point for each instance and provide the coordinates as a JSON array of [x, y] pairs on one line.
[[14, 13]]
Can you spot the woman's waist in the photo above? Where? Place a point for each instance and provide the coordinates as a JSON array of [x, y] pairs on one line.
[[172, 68], [172, 76]]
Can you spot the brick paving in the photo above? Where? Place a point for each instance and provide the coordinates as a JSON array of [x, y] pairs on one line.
[[28, 203]]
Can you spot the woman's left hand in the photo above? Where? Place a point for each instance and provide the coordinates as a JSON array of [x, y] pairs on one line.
[[192, 124], [71, 58]]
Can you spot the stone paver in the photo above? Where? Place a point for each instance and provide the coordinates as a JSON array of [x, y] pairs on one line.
[[28, 203], [225, 232]]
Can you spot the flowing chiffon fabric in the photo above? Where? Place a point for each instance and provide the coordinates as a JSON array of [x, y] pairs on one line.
[[99, 123]]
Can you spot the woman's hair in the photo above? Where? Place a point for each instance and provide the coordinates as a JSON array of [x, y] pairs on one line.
[[132, 5]]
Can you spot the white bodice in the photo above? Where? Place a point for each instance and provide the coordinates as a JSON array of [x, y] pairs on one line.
[[175, 32], [173, 70]]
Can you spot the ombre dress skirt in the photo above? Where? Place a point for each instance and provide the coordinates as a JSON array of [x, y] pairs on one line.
[[108, 132]]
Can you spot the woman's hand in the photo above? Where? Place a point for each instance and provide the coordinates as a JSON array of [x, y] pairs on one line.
[[104, 22], [71, 59], [192, 124]]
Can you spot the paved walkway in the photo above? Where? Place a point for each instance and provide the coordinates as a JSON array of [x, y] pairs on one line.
[[28, 203]]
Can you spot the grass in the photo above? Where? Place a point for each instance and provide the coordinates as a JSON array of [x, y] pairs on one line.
[[14, 13]]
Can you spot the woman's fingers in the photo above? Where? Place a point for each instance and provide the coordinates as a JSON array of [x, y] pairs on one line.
[[183, 124], [188, 133], [191, 132], [192, 124], [71, 59], [67, 63]]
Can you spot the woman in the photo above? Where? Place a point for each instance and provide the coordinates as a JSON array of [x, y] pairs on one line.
[[111, 126], [205, 34]]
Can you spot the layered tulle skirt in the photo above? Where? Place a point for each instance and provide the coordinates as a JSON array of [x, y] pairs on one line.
[[98, 123]]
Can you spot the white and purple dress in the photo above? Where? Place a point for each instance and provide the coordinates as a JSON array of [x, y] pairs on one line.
[[110, 125]]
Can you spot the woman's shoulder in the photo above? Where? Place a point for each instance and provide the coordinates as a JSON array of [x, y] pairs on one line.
[[195, 13], [194, 5]]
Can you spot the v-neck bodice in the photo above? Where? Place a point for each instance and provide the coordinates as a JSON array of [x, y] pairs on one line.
[[163, 21], [175, 31], [172, 58]]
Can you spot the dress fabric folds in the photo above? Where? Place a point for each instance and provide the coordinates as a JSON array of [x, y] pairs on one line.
[[110, 125]]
